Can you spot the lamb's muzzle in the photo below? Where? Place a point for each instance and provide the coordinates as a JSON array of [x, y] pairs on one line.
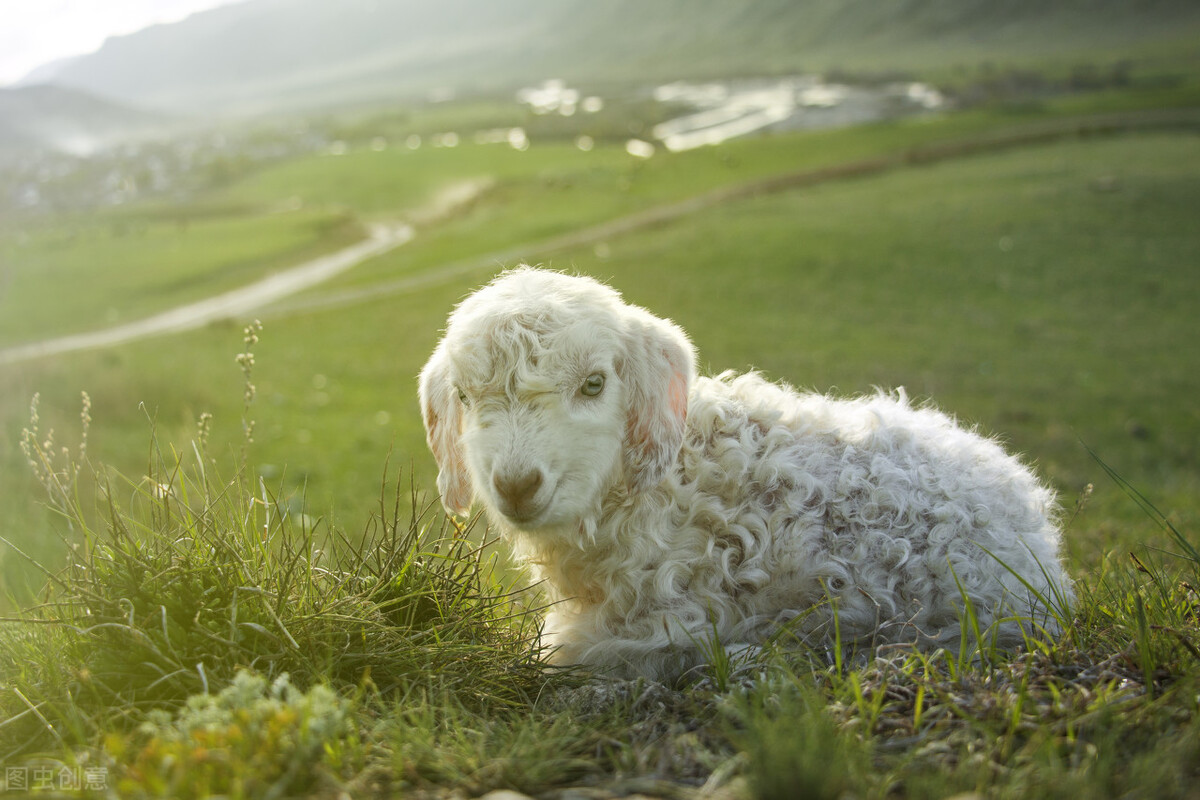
[[666, 510], [519, 494]]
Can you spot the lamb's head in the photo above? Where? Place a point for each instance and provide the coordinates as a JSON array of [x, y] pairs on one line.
[[546, 392]]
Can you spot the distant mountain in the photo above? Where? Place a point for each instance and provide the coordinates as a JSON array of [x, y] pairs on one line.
[[273, 54], [67, 120], [46, 72]]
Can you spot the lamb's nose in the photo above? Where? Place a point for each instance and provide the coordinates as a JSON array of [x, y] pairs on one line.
[[518, 490]]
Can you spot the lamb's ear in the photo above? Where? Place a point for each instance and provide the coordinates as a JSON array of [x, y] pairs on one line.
[[442, 412], [657, 369]]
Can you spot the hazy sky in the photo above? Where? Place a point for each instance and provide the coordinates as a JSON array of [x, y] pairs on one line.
[[34, 32]]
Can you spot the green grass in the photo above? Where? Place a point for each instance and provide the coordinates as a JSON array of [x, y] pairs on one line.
[[1043, 292], [203, 639], [73, 275]]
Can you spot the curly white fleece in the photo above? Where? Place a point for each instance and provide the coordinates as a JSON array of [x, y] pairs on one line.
[[668, 513]]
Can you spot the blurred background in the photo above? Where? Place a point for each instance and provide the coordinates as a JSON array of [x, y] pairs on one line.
[[993, 203]]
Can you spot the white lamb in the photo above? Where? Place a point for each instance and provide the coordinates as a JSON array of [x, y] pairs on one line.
[[670, 514]]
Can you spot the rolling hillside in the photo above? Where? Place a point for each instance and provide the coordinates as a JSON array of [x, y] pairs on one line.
[[271, 54], [64, 119]]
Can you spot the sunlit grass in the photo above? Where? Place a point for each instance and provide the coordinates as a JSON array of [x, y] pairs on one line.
[[205, 637], [205, 640], [177, 582]]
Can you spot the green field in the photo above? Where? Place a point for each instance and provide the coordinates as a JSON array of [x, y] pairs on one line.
[[1046, 293], [1043, 293]]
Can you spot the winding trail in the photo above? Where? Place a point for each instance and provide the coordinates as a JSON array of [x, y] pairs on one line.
[[383, 238], [240, 302]]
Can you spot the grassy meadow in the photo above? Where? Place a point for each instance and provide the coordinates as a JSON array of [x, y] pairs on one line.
[[1046, 293]]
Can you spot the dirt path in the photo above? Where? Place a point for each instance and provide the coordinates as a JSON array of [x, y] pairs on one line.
[[245, 300], [235, 303]]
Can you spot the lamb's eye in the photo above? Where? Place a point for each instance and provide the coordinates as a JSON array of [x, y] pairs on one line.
[[593, 385], [462, 397]]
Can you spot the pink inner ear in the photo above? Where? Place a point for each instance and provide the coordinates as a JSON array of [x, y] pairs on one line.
[[647, 436], [677, 402]]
